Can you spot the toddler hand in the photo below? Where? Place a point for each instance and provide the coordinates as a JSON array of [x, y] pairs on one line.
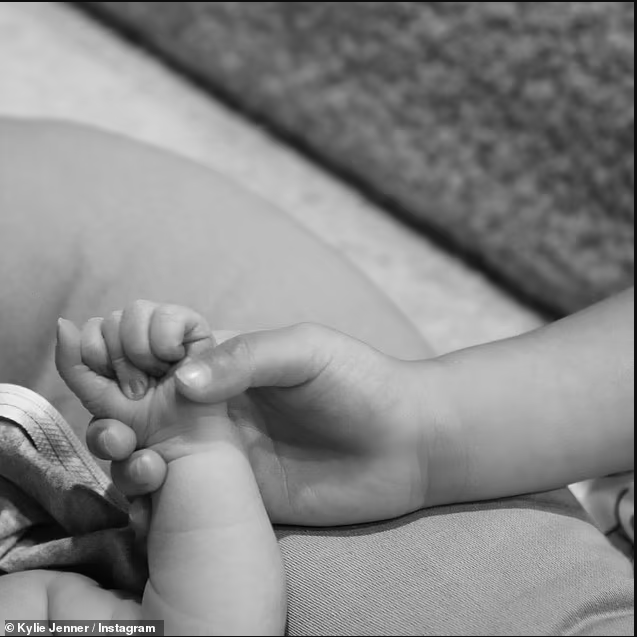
[[337, 432], [122, 368]]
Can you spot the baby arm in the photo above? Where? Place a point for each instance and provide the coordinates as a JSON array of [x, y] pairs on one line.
[[542, 410], [214, 563], [213, 559]]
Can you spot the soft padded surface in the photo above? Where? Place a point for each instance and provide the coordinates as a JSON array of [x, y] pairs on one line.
[[505, 127]]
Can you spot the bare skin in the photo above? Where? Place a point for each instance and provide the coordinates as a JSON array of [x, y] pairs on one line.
[[357, 436]]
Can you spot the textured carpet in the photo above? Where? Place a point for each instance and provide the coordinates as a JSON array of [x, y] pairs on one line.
[[505, 128]]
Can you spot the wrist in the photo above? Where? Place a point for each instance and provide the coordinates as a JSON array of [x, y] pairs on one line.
[[442, 442], [215, 481], [201, 437]]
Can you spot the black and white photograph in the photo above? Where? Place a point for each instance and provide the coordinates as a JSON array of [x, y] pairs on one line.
[[317, 318]]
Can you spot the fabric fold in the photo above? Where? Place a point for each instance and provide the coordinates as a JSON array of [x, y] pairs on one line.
[[58, 510]]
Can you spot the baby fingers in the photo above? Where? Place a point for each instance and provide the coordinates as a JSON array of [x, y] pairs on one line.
[[94, 351], [133, 381], [177, 332], [154, 337], [136, 340], [99, 394]]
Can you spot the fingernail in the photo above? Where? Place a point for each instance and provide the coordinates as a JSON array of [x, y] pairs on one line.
[[138, 388], [108, 443], [193, 375]]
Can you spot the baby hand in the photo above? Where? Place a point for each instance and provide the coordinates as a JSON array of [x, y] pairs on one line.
[[122, 368], [337, 432]]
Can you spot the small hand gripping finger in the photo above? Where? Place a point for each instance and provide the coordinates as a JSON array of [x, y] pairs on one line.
[[176, 332], [99, 394], [136, 340]]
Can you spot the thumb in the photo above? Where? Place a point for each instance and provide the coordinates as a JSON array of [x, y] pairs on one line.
[[275, 358]]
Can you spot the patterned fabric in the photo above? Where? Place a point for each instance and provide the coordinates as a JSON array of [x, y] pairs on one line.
[[57, 508]]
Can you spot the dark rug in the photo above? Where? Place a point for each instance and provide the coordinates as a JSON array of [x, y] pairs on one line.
[[504, 129]]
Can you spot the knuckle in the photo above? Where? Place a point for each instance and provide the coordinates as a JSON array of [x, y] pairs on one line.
[[317, 344], [239, 349], [312, 333], [138, 307], [307, 329], [172, 313], [141, 304], [235, 347]]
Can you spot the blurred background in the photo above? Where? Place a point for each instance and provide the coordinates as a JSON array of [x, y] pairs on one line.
[[475, 160]]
